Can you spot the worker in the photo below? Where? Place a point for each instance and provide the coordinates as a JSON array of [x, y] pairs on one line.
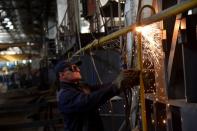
[[78, 104]]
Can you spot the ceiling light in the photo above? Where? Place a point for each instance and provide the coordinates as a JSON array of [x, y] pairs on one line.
[[3, 14], [11, 27], [6, 20], [10, 52], [9, 23], [2, 53]]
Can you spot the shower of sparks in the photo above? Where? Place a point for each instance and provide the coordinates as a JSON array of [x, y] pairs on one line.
[[151, 45]]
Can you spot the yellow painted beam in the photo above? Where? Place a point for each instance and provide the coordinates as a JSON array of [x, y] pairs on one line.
[[18, 57]]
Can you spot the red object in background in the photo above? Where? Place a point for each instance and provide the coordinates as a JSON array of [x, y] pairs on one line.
[[91, 7]]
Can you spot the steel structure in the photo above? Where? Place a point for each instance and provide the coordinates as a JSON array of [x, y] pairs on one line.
[[174, 10]]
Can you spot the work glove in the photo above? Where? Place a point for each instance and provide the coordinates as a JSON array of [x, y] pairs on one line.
[[127, 78]]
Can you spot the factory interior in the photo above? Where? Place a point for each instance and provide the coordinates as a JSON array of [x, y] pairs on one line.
[[156, 37]]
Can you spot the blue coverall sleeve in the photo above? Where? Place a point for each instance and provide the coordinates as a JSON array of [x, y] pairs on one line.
[[72, 100]]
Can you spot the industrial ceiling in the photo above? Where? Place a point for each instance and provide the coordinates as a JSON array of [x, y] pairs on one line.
[[23, 21]]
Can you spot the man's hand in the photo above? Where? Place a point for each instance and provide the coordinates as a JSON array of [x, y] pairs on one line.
[[127, 78]]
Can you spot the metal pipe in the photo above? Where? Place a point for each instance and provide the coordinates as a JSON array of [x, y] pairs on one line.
[[140, 66], [142, 90], [140, 12], [174, 10]]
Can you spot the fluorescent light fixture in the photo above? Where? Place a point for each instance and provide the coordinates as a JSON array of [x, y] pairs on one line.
[[9, 23], [5, 20], [11, 27], [3, 14], [2, 53]]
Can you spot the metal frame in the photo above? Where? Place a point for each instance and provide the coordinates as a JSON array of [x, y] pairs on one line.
[[174, 10]]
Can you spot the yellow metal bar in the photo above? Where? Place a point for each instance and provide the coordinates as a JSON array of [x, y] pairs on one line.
[[140, 66], [174, 10], [142, 93], [17, 57]]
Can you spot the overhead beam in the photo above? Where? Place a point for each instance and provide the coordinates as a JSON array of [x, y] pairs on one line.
[[18, 57], [172, 11], [7, 45]]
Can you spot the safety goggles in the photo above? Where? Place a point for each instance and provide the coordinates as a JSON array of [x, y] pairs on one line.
[[72, 68]]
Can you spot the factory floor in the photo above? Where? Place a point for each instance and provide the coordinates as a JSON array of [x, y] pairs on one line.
[[29, 110]]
